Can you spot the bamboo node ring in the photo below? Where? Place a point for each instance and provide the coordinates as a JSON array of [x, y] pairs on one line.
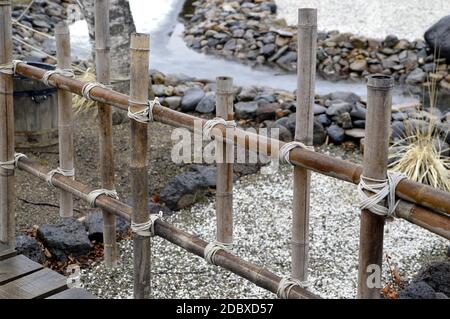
[[210, 124], [288, 147], [381, 189], [64, 72], [64, 172], [12, 164], [212, 248], [286, 284], [92, 196], [146, 229], [144, 115]]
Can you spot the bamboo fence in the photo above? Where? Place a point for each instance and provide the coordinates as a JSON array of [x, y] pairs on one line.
[[420, 204]]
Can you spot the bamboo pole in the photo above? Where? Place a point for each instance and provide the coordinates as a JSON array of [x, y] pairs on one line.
[[306, 74], [7, 179], [191, 243], [65, 117], [434, 199], [105, 141], [225, 153], [139, 52], [379, 101]]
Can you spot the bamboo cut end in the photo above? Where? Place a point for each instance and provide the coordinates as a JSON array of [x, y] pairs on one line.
[[380, 81], [140, 42], [307, 17], [224, 85], [61, 29]]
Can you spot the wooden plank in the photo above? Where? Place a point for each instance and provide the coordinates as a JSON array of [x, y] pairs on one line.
[[6, 252], [73, 293], [39, 284], [16, 267]]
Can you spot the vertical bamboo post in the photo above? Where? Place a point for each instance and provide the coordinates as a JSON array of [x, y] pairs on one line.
[[102, 63], [139, 53], [306, 74], [7, 179], [379, 100], [65, 117], [224, 187]]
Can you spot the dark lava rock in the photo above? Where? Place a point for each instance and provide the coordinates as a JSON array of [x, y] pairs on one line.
[[417, 290], [247, 94], [338, 107], [399, 116], [266, 111], [358, 112], [245, 110], [438, 37], [288, 58], [390, 41], [398, 130], [29, 247], [183, 190], [359, 124], [336, 134], [319, 134], [437, 276], [94, 226], [319, 109], [348, 97], [323, 119], [64, 239], [207, 103], [191, 98]]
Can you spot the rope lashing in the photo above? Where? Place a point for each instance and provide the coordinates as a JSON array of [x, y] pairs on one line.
[[64, 72], [10, 68], [144, 115], [64, 172], [212, 248], [12, 164], [210, 124], [286, 284], [87, 87], [92, 196], [146, 229], [381, 189], [288, 147]]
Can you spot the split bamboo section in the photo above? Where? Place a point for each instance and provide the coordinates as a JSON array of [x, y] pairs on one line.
[[139, 53], [65, 117], [7, 179], [379, 101], [105, 140], [191, 243], [433, 206], [307, 38], [225, 155]]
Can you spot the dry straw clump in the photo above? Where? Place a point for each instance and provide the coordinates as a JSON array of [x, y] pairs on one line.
[[80, 104], [421, 153]]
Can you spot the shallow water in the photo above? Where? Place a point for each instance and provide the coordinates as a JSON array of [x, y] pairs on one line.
[[170, 54]]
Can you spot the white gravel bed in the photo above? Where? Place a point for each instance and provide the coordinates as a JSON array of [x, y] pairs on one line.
[[407, 19], [263, 206]]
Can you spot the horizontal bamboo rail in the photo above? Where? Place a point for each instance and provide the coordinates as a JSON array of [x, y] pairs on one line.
[[436, 218], [255, 274]]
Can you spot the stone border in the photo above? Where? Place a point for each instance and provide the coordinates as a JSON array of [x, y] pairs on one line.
[[250, 32]]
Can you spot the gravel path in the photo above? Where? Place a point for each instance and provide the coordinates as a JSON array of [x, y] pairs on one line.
[[262, 235], [405, 18]]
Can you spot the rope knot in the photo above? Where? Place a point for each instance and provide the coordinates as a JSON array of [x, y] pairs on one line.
[[212, 248], [286, 284], [87, 87], [12, 164], [92, 196], [64, 172], [146, 229], [210, 124], [144, 115], [288, 147], [10, 68], [382, 189], [64, 72]]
